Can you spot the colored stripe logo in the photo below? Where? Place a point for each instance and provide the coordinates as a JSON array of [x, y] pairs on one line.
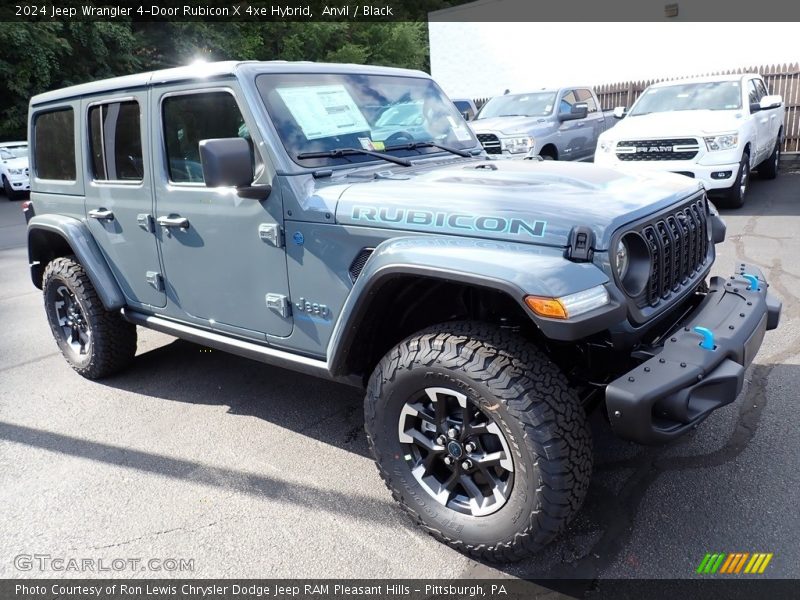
[[734, 563]]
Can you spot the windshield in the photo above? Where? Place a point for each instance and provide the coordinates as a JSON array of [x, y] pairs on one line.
[[323, 112], [13, 152], [716, 95], [526, 105]]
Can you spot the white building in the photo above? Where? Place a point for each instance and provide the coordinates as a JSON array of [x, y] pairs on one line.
[[474, 58]]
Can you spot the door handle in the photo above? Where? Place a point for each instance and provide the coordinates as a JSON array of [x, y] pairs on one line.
[[101, 214], [181, 222]]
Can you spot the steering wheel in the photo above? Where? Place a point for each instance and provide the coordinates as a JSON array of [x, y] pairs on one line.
[[398, 138]]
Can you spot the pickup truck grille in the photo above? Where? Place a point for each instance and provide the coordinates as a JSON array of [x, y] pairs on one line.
[[490, 143], [678, 245], [668, 149]]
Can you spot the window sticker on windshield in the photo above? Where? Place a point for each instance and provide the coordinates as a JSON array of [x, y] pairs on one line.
[[462, 135], [323, 110], [366, 143], [548, 108]]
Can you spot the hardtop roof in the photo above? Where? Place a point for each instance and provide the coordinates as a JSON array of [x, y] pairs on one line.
[[212, 70]]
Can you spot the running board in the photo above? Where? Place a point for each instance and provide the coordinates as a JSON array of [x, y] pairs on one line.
[[264, 354]]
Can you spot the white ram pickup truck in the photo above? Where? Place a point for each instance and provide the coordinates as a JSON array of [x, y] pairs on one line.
[[715, 129]]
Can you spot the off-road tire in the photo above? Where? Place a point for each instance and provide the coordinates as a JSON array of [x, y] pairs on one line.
[[113, 340], [769, 168], [530, 399]]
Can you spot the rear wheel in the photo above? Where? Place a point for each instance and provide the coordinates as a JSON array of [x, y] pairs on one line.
[[95, 342], [479, 438]]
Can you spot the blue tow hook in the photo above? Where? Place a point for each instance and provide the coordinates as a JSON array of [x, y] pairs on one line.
[[753, 280], [708, 337]]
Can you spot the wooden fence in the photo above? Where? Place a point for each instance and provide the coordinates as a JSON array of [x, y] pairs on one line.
[[780, 79]]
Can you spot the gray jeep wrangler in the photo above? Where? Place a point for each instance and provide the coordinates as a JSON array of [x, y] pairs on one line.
[[344, 222]]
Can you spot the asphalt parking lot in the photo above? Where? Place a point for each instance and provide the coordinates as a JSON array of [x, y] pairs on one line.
[[252, 471]]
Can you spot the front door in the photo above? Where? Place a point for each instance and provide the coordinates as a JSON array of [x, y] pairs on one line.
[[573, 133], [119, 194], [222, 253]]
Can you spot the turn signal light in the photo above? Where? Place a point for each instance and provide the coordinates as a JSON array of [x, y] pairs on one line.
[[546, 307]]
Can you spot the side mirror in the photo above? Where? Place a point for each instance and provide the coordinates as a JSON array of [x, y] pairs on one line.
[[620, 112], [226, 162], [768, 102], [579, 111]]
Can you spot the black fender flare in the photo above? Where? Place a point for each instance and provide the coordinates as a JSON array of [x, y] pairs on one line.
[[518, 270], [77, 236]]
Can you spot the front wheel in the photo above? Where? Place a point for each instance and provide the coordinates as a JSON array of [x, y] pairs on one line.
[[735, 195], [480, 439], [769, 168], [95, 342]]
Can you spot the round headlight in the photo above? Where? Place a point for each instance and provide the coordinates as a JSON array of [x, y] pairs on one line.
[[632, 263], [621, 260]]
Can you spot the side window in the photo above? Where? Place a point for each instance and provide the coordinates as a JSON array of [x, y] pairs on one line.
[[586, 96], [115, 141], [753, 91], [762, 89], [54, 145], [190, 118], [567, 102]]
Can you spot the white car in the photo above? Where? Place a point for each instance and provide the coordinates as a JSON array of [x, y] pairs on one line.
[[14, 169], [715, 129]]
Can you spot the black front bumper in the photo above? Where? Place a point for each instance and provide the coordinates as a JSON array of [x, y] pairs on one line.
[[684, 382]]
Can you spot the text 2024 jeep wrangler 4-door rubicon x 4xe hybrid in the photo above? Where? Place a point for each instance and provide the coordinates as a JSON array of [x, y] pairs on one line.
[[268, 210]]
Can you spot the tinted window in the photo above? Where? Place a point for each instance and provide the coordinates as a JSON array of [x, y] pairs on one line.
[[115, 142], [586, 96], [54, 145], [191, 118], [762, 89]]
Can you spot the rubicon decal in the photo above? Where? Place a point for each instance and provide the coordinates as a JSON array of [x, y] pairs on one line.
[[449, 221], [736, 563]]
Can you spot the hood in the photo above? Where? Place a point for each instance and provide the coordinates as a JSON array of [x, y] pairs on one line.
[[677, 124], [536, 202], [16, 163], [507, 125]]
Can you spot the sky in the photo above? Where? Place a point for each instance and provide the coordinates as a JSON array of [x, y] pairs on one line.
[[476, 60]]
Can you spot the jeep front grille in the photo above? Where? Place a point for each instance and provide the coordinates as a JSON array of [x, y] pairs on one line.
[[490, 143], [678, 245], [668, 149]]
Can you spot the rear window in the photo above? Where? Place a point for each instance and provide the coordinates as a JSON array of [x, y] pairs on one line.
[[54, 145], [115, 139]]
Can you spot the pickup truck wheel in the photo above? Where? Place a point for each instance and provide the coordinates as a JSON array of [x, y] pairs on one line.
[[769, 168], [95, 342], [9, 191], [479, 438], [734, 197]]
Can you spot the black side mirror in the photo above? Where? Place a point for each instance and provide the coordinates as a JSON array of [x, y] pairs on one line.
[[579, 111], [226, 162]]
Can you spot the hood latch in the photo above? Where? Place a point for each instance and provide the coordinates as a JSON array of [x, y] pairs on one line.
[[581, 244]]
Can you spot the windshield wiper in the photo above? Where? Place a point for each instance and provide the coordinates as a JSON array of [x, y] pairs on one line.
[[415, 145], [342, 152]]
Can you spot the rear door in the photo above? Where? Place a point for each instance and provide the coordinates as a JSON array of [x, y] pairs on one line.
[[119, 193], [223, 254]]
